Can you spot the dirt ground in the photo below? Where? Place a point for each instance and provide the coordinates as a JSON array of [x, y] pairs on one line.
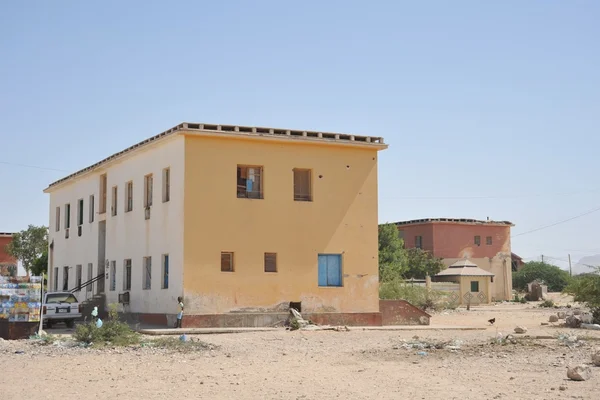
[[319, 365]]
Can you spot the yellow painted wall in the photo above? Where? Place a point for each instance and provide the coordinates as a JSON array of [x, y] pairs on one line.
[[484, 286], [500, 266], [341, 219]]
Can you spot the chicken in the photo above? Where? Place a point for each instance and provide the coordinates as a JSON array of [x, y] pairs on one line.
[[491, 321]]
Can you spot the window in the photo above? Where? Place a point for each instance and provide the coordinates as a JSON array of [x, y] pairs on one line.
[[147, 280], [330, 270], [113, 275], [226, 262], [249, 182], [65, 278], [127, 275], [58, 298], [89, 276], [488, 240], [113, 207], [419, 242], [302, 185], [103, 188], [78, 281], [57, 219], [148, 190], [55, 279], [477, 240], [129, 196], [166, 185], [165, 271], [91, 208], [67, 216], [79, 212], [270, 262], [475, 286]]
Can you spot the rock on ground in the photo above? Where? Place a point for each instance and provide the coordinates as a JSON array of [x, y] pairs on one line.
[[553, 318], [562, 315], [520, 329], [596, 359], [579, 373]]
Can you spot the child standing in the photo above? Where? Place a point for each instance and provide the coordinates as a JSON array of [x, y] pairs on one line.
[[180, 315]]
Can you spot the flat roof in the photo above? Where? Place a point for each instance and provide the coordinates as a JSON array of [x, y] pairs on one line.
[[239, 131], [459, 221], [4, 234]]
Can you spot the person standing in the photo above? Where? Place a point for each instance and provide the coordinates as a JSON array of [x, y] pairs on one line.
[[180, 314]]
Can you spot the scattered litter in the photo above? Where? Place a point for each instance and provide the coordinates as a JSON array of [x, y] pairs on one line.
[[19, 352], [571, 341], [416, 343], [422, 353], [183, 338], [594, 327]]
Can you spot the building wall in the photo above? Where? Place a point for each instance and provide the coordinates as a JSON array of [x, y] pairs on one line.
[[453, 242], [341, 219], [128, 235]]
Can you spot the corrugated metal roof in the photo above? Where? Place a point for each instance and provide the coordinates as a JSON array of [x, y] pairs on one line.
[[248, 131], [454, 220]]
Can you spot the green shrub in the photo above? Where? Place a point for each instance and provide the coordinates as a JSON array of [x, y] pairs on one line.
[[556, 279], [112, 331], [547, 304], [419, 296], [174, 343]]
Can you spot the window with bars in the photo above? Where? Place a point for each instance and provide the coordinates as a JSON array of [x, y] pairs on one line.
[[103, 189], [148, 182], [129, 196], [147, 281], [113, 275], [488, 240], [477, 240], [113, 207], [91, 208], [166, 185], [302, 184], [165, 271], [270, 262], [78, 278], [90, 272], [226, 261], [419, 242], [249, 182], [127, 274]]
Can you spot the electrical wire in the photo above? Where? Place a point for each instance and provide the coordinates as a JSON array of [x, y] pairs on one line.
[[557, 223], [32, 166]]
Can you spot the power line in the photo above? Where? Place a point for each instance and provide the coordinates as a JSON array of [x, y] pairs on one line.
[[31, 166], [488, 197], [557, 223]]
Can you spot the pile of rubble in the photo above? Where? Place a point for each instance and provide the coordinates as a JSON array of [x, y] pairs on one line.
[[575, 318], [295, 322]]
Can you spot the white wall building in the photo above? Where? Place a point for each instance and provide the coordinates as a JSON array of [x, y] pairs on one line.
[[122, 218]]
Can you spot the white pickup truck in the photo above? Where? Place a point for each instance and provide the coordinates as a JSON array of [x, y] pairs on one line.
[[60, 307]]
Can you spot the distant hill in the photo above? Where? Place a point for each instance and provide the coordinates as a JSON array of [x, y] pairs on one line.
[[582, 265]]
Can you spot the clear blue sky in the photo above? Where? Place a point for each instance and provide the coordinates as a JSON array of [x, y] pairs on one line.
[[490, 108]]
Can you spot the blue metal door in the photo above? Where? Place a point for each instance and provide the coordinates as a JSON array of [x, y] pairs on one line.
[[330, 270]]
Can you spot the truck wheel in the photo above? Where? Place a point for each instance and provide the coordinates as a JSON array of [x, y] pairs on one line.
[[70, 323]]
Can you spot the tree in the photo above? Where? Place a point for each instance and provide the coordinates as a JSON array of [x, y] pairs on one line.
[[29, 245], [585, 288], [556, 279], [392, 256], [422, 263], [40, 265]]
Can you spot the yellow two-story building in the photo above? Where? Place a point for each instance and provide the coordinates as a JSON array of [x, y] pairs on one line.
[[239, 221]]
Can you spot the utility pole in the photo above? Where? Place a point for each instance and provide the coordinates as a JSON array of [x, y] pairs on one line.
[[570, 269], [542, 258]]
